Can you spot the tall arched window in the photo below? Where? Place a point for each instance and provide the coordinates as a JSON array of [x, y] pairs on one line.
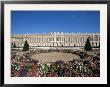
[[57, 39]]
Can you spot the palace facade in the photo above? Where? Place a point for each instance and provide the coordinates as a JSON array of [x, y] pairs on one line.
[[55, 39]]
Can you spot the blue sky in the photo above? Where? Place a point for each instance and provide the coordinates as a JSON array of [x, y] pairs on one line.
[[55, 21]]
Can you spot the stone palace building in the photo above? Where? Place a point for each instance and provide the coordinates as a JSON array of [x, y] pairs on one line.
[[55, 39]]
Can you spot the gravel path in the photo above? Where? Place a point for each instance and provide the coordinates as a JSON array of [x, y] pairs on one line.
[[54, 56]]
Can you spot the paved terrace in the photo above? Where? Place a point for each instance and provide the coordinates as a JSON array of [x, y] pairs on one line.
[[47, 48], [55, 56]]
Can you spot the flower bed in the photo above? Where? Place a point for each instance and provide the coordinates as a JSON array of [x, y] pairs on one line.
[[88, 65]]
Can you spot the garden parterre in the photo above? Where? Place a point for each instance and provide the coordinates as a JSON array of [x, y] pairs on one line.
[[87, 65]]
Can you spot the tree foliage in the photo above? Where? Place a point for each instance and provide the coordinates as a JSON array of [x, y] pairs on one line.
[[14, 46], [26, 46], [88, 46], [99, 45]]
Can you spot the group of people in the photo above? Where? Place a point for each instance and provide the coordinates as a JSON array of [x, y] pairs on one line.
[[22, 65]]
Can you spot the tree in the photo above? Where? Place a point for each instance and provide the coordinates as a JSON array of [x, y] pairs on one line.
[[96, 45], [11, 44], [88, 45], [62, 45], [14, 46], [26, 46], [99, 45]]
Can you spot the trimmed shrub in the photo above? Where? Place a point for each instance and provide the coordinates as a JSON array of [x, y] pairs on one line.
[[88, 46], [26, 46], [14, 46]]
